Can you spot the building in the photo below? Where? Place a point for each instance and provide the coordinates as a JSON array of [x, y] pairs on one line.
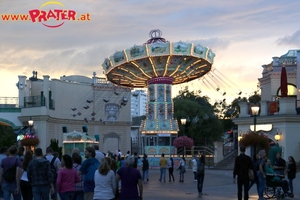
[[278, 115], [76, 104], [138, 103]]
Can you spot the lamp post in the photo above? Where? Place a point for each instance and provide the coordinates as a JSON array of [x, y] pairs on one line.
[[255, 111], [183, 122], [30, 124]]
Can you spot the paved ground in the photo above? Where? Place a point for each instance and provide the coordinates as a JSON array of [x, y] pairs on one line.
[[218, 185]]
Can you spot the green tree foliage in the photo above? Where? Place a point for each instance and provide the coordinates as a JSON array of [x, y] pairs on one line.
[[202, 123], [54, 144], [7, 136]]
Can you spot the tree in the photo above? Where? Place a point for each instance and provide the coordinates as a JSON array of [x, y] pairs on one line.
[[202, 123], [7, 136]]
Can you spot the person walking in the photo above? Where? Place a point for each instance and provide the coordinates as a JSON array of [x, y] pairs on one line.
[[88, 168], [20, 153], [194, 167], [11, 184], [127, 154], [145, 168], [255, 169], [131, 181], [99, 155], [66, 179], [26, 188], [55, 164], [241, 169], [105, 182], [3, 154], [291, 174], [181, 169], [163, 167], [171, 169], [136, 160], [40, 177], [77, 160], [261, 174], [200, 173]]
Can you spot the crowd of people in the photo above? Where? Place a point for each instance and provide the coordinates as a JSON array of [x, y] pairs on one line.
[[35, 175], [264, 174], [97, 176], [198, 168]]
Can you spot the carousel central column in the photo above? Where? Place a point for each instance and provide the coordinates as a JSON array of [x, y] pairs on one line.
[[160, 122]]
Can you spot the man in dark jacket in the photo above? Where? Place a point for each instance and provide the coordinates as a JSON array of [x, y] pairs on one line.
[[279, 165], [40, 176], [241, 169]]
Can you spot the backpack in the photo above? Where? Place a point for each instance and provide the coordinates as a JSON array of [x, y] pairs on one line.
[[53, 169], [10, 174], [200, 167], [145, 164]]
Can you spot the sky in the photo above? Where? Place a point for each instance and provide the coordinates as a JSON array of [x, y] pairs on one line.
[[244, 35]]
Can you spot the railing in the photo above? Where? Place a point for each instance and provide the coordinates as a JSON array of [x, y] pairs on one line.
[[34, 101], [9, 102], [229, 147], [196, 150], [135, 146]]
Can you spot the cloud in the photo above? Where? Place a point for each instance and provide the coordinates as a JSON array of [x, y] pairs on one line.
[[290, 40], [243, 34]]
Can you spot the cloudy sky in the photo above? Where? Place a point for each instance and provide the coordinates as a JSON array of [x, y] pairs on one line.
[[244, 35]]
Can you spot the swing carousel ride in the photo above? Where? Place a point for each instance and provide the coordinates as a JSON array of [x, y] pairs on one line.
[[157, 65]]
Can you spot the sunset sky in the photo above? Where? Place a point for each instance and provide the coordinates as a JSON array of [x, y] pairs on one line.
[[244, 35]]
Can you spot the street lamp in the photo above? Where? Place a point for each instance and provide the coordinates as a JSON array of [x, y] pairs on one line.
[[30, 124], [183, 122], [255, 111]]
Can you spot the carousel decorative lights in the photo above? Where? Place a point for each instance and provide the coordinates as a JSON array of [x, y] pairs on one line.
[[157, 65]]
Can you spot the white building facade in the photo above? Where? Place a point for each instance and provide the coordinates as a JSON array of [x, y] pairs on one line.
[[139, 101], [278, 115], [74, 102]]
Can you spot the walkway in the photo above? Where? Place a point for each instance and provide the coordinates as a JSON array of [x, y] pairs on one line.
[[218, 185]]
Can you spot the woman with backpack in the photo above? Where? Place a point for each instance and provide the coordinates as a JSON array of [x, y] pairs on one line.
[[77, 160]]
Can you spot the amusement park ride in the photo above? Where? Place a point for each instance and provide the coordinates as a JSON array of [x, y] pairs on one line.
[[157, 65]]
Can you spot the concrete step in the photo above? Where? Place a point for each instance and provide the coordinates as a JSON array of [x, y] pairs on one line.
[[227, 163]]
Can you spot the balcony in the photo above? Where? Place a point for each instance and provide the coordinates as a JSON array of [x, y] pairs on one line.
[[34, 101]]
